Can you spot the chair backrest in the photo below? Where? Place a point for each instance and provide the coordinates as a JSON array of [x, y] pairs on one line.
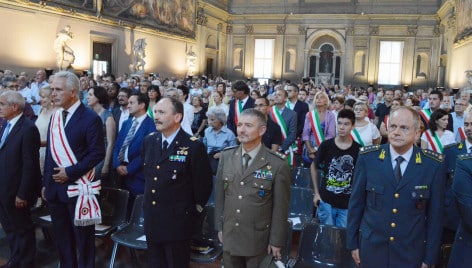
[[208, 226], [301, 177], [324, 246], [137, 215], [113, 204], [301, 202], [288, 246]]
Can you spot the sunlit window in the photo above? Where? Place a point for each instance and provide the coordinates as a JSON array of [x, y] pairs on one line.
[[263, 58], [390, 63]]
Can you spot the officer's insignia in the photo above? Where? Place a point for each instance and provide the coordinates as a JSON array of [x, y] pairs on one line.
[[178, 158], [269, 167], [464, 156], [460, 145], [433, 155], [418, 158], [182, 151], [263, 174], [280, 155], [193, 138], [382, 154], [368, 149]]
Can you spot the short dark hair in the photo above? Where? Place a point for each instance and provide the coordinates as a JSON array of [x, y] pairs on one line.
[[437, 92], [184, 89], [349, 114], [101, 94], [142, 98], [126, 90], [266, 101], [436, 115], [261, 119], [177, 106], [350, 102], [241, 86], [112, 76], [295, 86]]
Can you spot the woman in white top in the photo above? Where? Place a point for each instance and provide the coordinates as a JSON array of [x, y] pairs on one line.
[[218, 102], [365, 133], [437, 136], [47, 109]]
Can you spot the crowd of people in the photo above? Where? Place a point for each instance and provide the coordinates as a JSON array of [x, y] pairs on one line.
[[383, 163]]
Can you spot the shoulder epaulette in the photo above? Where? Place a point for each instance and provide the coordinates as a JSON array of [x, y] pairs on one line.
[[230, 147], [433, 155], [278, 154], [464, 156], [193, 138], [153, 133], [451, 145], [368, 149]]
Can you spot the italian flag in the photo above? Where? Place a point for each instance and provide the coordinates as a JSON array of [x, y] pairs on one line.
[[277, 117], [434, 141]]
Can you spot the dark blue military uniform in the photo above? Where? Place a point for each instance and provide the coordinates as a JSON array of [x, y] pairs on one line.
[[451, 216], [178, 183], [396, 224], [461, 256]]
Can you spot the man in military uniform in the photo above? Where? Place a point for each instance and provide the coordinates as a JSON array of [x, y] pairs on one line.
[[462, 189], [395, 209], [252, 196], [178, 183]]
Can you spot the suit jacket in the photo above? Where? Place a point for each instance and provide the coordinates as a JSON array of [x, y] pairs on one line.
[[301, 108], [451, 215], [20, 174], [462, 187], [176, 182], [230, 122], [84, 131], [396, 224], [290, 118], [134, 181], [251, 207]]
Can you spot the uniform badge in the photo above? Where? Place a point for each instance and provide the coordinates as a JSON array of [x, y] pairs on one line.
[[174, 176], [177, 158], [460, 145], [264, 174], [418, 158], [193, 138], [261, 193], [182, 151], [382, 154]]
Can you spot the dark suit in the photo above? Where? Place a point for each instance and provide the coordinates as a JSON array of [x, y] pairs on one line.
[[301, 108], [134, 181], [461, 256], [84, 131], [396, 224], [117, 115], [251, 206], [20, 176], [230, 123], [176, 182]]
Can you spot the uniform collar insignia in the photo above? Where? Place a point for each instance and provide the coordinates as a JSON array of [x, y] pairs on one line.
[[382, 154], [460, 145], [418, 158]]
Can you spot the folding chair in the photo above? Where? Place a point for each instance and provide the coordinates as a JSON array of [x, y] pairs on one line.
[[301, 177], [113, 204], [301, 207], [206, 247]]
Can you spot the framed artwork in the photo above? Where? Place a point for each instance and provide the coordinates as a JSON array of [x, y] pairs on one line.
[[171, 16]]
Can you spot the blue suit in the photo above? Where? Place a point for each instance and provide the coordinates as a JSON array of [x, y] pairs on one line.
[[451, 215], [396, 224], [461, 256], [84, 132], [20, 176], [134, 181]]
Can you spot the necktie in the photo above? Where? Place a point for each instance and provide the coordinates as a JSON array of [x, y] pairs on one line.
[[398, 171], [246, 157], [5, 134], [128, 138], [165, 144], [64, 117]]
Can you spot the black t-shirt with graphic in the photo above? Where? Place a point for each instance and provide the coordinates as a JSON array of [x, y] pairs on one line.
[[336, 171]]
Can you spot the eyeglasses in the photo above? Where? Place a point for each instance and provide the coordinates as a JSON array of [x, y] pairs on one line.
[[259, 105]]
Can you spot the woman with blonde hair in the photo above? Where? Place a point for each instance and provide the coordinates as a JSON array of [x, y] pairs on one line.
[[365, 132], [320, 125], [42, 123]]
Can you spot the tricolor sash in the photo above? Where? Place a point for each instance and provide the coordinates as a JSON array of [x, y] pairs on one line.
[[426, 115], [386, 120], [277, 118], [357, 137], [434, 141], [238, 108], [316, 127], [87, 209], [462, 133]]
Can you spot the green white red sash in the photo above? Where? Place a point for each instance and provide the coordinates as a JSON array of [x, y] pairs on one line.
[[277, 118], [238, 108], [386, 120], [462, 133], [87, 208], [357, 137], [426, 115], [434, 141], [316, 127]]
